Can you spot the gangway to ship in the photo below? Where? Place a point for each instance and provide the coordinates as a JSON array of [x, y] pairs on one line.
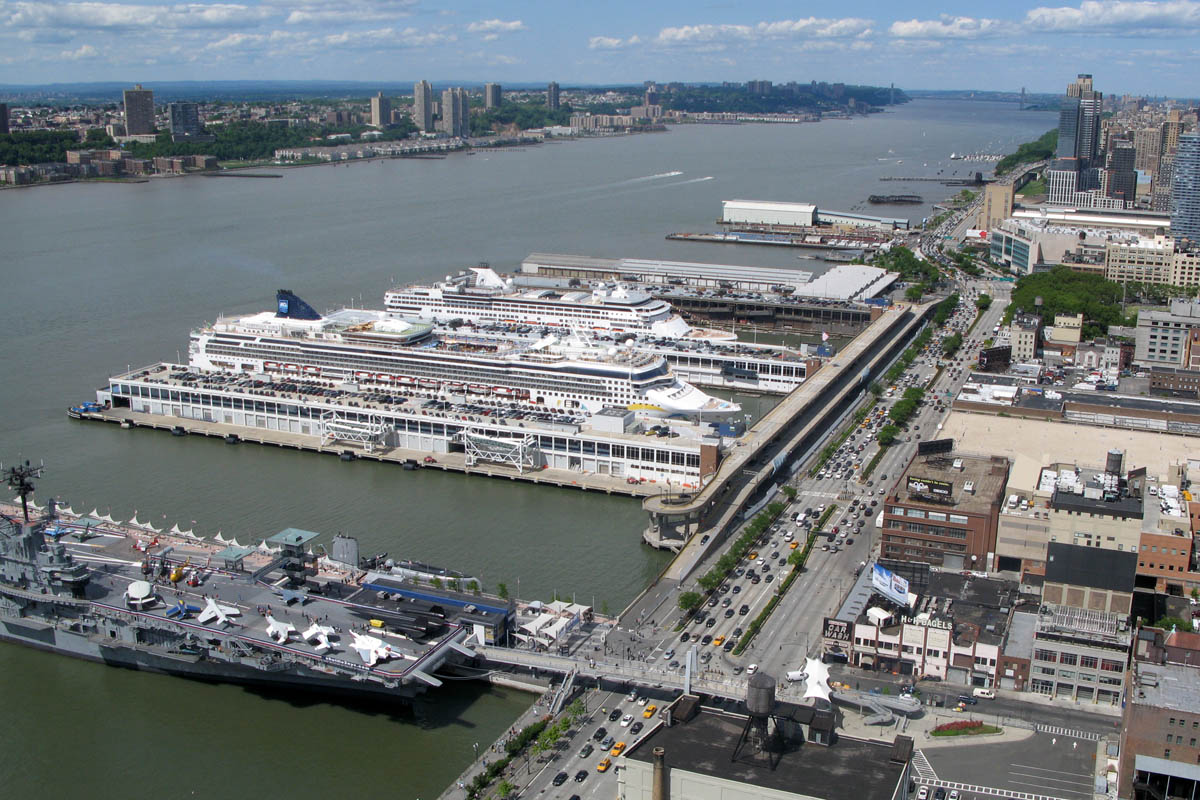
[[522, 453], [336, 427]]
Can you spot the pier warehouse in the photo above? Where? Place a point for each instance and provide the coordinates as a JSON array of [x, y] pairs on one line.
[[760, 214], [613, 445]]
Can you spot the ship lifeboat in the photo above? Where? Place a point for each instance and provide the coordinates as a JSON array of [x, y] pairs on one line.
[[312, 370], [478, 388], [405, 380], [429, 383], [363, 376], [270, 365], [385, 378], [454, 386], [502, 390], [291, 368]]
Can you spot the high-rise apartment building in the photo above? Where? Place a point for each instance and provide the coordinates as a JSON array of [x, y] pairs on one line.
[[423, 106], [651, 98], [381, 111], [1079, 122], [1122, 176], [1185, 190], [491, 95], [1146, 143], [455, 113], [997, 205], [3, 117], [139, 111], [184, 119], [552, 96]]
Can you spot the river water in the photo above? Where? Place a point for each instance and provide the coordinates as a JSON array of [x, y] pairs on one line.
[[100, 276]]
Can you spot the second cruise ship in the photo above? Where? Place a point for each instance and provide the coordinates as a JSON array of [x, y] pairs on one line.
[[482, 296]]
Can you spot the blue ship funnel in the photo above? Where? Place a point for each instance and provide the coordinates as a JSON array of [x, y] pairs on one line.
[[289, 305]]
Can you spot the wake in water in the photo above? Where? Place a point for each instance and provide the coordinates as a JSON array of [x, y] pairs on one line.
[[648, 178], [685, 183]]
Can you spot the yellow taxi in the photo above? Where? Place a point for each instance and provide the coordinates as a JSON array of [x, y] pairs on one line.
[[649, 712], [718, 641], [794, 545], [604, 765], [617, 749], [753, 555]]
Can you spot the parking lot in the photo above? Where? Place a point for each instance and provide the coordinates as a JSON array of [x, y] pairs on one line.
[[1051, 765]]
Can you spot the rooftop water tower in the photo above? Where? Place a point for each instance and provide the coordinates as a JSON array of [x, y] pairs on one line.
[[760, 738]]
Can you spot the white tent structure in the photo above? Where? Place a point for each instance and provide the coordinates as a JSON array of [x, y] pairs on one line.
[[817, 682]]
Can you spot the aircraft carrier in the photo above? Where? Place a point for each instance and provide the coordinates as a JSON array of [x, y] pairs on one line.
[[271, 615]]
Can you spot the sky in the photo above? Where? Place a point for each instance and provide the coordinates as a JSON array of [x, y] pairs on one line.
[[1148, 47]]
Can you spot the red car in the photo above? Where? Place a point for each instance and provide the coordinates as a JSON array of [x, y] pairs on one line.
[[835, 530]]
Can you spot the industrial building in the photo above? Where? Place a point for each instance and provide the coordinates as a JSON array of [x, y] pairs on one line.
[[1160, 723], [775, 751], [943, 511], [1082, 637]]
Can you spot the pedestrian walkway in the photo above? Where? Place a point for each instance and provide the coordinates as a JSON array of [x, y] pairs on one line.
[[1069, 733]]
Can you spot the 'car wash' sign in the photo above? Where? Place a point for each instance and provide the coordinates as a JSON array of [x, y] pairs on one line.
[[837, 629]]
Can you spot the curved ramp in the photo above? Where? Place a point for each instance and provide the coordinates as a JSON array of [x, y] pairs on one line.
[[882, 707]]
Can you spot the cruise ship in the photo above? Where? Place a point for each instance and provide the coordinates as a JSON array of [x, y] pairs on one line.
[[378, 348], [482, 296]]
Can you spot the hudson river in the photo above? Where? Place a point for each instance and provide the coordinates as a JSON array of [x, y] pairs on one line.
[[100, 276]]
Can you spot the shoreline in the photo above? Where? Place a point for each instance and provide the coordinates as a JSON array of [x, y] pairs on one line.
[[466, 149]]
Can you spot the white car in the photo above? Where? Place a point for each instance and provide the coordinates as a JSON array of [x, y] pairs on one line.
[[753, 668], [641, 701], [625, 720]]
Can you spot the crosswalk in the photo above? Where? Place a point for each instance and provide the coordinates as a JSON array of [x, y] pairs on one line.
[[968, 788], [923, 768], [1054, 730]]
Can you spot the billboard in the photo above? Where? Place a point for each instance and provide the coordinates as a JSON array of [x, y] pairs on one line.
[[930, 486], [890, 585], [995, 358], [934, 447]]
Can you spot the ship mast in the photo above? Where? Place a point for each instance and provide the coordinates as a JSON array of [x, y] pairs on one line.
[[20, 480]]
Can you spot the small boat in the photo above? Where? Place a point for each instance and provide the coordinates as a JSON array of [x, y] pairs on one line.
[[178, 430]]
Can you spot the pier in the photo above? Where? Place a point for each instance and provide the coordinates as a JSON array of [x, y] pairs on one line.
[[447, 462]]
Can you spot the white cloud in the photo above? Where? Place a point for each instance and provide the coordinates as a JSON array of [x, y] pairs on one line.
[[347, 12], [494, 27], [1117, 16], [611, 43], [810, 28], [84, 51], [948, 27], [128, 16]]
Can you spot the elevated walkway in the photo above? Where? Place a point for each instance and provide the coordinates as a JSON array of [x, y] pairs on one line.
[[781, 435]]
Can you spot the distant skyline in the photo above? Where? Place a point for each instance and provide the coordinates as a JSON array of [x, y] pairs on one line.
[[1131, 47]]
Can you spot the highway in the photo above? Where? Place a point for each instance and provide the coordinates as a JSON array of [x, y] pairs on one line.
[[794, 629]]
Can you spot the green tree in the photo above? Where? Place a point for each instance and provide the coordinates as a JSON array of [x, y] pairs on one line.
[[689, 601], [1166, 623], [436, 583], [876, 388], [1038, 150], [505, 788], [502, 590], [887, 435], [983, 302], [913, 293]]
